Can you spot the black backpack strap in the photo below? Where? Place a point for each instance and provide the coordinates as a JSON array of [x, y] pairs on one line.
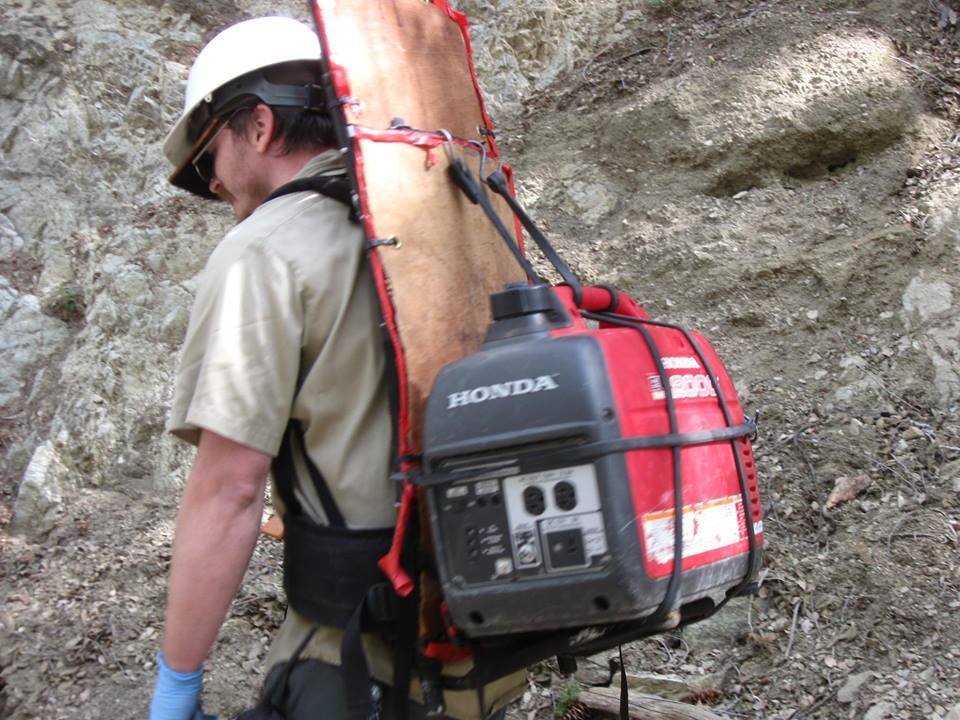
[[382, 608], [285, 474], [407, 621], [335, 187], [358, 684], [328, 574]]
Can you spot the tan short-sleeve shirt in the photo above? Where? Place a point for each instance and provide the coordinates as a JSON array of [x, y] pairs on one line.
[[285, 325]]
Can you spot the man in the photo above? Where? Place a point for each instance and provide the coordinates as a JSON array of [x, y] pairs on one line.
[[284, 328], [282, 368]]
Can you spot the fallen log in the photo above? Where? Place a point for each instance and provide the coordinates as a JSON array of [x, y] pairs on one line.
[[643, 707]]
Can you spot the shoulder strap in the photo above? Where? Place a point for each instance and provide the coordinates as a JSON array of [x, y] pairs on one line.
[[335, 187], [284, 473]]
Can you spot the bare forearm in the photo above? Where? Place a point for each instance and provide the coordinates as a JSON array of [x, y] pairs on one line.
[[216, 532], [212, 549]]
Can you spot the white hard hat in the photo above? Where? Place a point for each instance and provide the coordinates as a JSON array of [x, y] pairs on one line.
[[236, 52]]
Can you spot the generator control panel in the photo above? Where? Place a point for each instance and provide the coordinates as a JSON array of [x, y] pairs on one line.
[[524, 525]]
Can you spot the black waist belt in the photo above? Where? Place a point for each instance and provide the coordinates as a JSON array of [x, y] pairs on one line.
[[328, 572]]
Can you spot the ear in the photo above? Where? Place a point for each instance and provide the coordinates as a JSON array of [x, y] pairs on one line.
[[261, 128]]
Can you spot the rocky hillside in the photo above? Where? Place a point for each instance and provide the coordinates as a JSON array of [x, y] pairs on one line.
[[781, 176]]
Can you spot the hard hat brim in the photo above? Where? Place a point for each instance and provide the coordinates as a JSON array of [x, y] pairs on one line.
[[181, 152], [185, 176]]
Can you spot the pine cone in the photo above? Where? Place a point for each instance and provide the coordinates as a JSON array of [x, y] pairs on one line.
[[577, 711]]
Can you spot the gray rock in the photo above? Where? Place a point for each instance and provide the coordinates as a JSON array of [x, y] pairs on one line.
[[928, 308], [950, 473], [728, 627], [173, 327], [88, 93], [10, 240], [522, 46], [879, 711], [592, 200], [851, 687], [41, 492], [28, 339], [943, 348], [57, 271], [864, 386], [925, 299], [758, 131]]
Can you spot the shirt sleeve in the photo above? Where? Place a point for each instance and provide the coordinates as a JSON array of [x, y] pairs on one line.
[[240, 362]]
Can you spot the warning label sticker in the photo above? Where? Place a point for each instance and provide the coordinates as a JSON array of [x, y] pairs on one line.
[[707, 527]]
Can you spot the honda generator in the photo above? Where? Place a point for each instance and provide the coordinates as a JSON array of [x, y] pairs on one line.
[[587, 468], [579, 476]]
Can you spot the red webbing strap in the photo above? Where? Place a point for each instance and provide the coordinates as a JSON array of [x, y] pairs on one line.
[[390, 564], [418, 138], [430, 141], [447, 652]]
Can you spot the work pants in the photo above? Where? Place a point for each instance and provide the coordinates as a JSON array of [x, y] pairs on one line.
[[316, 691]]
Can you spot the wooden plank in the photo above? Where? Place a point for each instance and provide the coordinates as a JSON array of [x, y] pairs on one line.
[[406, 59], [409, 59], [643, 707], [449, 260]]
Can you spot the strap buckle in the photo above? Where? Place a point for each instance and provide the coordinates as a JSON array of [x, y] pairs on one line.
[[381, 603]]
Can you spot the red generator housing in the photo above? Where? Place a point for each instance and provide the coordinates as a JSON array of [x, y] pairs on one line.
[[570, 463]]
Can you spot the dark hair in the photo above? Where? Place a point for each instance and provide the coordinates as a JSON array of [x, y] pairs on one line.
[[297, 128]]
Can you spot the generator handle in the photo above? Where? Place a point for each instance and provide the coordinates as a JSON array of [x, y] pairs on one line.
[[601, 298]]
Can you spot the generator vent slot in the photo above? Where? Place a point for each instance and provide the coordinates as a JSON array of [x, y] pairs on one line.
[[504, 455]]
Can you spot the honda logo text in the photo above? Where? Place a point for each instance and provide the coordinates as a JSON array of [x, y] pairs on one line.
[[497, 391]]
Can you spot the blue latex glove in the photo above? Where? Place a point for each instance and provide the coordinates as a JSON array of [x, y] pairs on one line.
[[176, 695]]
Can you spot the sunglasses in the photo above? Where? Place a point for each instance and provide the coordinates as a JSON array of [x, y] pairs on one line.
[[203, 161]]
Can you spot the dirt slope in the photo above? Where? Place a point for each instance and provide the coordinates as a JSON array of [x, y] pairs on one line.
[[780, 175], [784, 178]]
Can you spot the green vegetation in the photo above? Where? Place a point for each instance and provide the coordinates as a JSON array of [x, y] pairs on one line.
[[566, 697], [67, 304]]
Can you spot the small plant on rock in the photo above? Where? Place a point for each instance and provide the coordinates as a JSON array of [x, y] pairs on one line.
[[67, 304]]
